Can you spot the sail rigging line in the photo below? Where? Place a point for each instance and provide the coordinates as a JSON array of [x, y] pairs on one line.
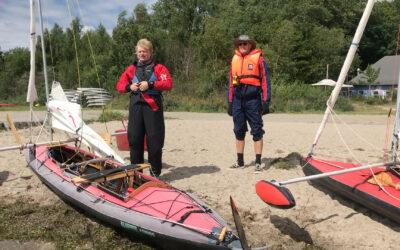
[[51, 51], [373, 175], [46, 83], [345, 143], [75, 46], [358, 161], [90, 46], [141, 202], [343, 73], [355, 132], [94, 62], [77, 66], [51, 56], [395, 138], [387, 134], [193, 228], [398, 41]]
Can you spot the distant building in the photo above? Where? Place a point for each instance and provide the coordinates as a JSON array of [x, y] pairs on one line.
[[388, 77]]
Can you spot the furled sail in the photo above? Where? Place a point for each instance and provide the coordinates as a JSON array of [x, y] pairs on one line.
[[66, 116], [32, 94]]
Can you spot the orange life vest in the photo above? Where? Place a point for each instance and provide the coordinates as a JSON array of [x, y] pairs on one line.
[[245, 69]]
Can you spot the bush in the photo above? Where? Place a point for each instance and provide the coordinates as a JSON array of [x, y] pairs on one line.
[[207, 96], [108, 115], [374, 100]]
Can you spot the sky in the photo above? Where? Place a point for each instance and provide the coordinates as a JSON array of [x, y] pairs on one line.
[[15, 16]]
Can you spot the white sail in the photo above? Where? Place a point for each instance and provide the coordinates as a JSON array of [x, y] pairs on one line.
[[66, 116], [32, 94]]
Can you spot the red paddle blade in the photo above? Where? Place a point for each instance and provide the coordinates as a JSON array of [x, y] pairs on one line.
[[275, 195]]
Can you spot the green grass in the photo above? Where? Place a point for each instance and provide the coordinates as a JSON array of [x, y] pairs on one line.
[[109, 115], [61, 225], [286, 98]]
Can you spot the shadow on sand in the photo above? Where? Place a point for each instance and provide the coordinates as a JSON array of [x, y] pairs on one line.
[[177, 173], [290, 228], [358, 208], [3, 176]]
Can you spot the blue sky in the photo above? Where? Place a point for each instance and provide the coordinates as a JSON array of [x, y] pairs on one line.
[[15, 16]]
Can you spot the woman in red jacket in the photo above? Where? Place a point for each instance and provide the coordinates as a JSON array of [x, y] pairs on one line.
[[145, 80]]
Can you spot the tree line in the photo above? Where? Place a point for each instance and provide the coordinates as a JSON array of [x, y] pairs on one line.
[[194, 39]]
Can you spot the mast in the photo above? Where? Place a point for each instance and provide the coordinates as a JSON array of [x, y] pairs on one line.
[[31, 95], [343, 73], [45, 70], [395, 138]]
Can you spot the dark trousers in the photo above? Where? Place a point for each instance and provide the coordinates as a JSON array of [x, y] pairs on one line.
[[144, 121], [247, 111]]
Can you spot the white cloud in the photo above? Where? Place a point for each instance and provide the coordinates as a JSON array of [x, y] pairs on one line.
[[15, 16], [87, 28]]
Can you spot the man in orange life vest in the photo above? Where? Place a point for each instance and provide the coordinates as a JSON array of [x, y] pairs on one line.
[[249, 96]]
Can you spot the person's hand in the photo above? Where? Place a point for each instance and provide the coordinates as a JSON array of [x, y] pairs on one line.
[[134, 87], [230, 109], [265, 108], [143, 86]]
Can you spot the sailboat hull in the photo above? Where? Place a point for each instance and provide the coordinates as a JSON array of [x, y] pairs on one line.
[[160, 215], [355, 186]]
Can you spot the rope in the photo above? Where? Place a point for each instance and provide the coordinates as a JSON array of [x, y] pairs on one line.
[[382, 187], [51, 56], [76, 49], [344, 141], [355, 132], [94, 61], [90, 45], [387, 134]]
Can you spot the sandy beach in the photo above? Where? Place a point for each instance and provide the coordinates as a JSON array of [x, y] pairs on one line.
[[200, 148]]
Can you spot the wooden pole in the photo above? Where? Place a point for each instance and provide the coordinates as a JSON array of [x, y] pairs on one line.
[[13, 129], [28, 145]]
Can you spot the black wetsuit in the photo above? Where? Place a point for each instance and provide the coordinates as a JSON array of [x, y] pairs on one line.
[[144, 121]]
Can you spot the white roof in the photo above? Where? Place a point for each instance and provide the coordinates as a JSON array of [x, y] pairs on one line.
[[330, 82]]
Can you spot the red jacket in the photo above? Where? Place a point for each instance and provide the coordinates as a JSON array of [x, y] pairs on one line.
[[163, 82]]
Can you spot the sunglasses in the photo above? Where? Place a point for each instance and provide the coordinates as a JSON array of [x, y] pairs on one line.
[[243, 44]]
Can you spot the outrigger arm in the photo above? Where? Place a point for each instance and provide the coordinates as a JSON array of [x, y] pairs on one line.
[[275, 194]]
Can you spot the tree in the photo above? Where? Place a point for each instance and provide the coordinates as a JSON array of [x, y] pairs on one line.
[[380, 35], [371, 75]]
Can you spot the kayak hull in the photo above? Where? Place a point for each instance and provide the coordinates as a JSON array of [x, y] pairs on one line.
[[355, 186], [138, 222]]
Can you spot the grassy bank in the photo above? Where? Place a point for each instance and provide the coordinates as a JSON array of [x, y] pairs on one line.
[[286, 98], [60, 225]]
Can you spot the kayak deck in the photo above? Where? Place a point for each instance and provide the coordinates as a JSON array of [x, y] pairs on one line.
[[355, 186]]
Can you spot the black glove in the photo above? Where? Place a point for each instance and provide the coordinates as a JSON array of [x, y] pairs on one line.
[[230, 109], [265, 108], [128, 87]]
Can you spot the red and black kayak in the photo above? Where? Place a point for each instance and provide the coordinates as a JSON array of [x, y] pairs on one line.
[[145, 207], [355, 186]]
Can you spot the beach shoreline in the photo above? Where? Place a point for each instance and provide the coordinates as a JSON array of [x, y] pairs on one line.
[[199, 148]]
